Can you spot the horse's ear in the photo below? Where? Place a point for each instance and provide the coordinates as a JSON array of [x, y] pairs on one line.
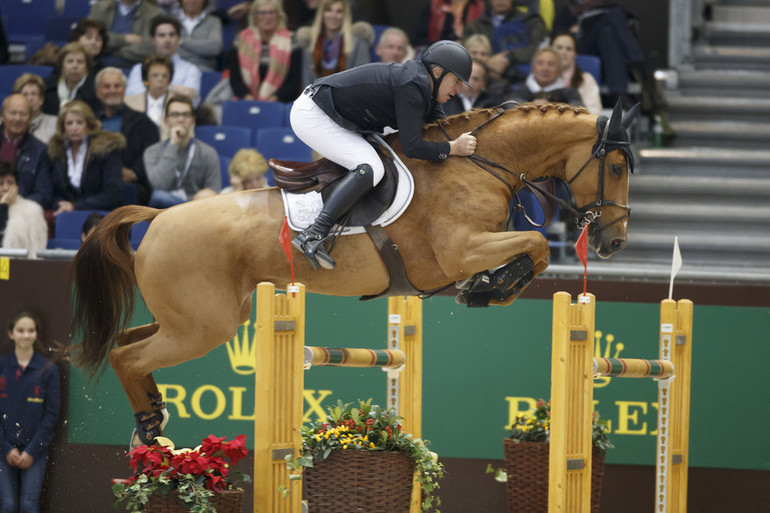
[[629, 116], [613, 127]]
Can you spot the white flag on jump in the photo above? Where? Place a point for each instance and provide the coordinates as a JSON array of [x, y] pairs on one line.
[[676, 264]]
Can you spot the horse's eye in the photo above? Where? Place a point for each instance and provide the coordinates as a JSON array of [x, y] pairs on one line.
[[617, 170]]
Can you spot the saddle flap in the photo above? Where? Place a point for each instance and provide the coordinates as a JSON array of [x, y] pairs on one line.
[[301, 176]]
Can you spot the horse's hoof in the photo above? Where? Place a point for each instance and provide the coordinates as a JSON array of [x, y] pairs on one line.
[[473, 299]]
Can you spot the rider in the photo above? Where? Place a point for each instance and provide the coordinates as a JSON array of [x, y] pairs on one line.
[[331, 113]]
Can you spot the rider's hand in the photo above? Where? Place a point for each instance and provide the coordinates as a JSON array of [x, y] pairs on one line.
[[463, 146]]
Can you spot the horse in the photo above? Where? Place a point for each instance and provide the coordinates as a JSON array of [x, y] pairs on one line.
[[199, 262]]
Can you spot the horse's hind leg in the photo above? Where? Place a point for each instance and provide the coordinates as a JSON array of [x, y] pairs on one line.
[[148, 382], [167, 346]]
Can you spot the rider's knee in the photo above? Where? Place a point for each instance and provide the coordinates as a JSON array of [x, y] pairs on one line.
[[376, 171]]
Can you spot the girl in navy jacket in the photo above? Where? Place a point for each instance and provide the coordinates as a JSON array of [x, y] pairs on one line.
[[29, 408]]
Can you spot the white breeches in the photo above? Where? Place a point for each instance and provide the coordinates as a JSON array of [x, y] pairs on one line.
[[320, 132]]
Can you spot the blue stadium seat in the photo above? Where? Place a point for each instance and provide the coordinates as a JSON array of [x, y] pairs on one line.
[[59, 28], [224, 164], [208, 80], [27, 18], [283, 144], [78, 8], [253, 114], [378, 30], [225, 139], [10, 72], [592, 64], [67, 229], [136, 234]]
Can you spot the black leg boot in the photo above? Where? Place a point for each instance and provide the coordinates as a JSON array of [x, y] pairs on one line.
[[312, 240]]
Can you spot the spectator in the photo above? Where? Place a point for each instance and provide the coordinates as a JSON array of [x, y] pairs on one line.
[[22, 224], [446, 19], [30, 405], [475, 97], [514, 36], [86, 162], [480, 48], [165, 31], [247, 171], [262, 64], [603, 30], [544, 83], [128, 23], [89, 225], [157, 71], [25, 152], [393, 45], [201, 35], [32, 87], [137, 129], [181, 166], [92, 34], [72, 79], [333, 47], [574, 77]]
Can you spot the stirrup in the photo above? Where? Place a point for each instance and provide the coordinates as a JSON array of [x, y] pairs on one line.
[[315, 250]]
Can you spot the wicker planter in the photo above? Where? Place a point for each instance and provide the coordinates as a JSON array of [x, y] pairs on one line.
[[527, 466], [227, 501], [351, 481]]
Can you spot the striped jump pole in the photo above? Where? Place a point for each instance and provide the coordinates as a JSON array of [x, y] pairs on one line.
[[573, 368], [353, 357], [282, 358]]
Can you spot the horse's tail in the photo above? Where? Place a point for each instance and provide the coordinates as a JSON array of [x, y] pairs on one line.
[[104, 281]]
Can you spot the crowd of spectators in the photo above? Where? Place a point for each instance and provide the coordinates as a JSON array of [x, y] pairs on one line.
[[110, 124]]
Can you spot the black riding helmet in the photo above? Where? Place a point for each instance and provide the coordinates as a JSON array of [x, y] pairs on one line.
[[452, 57]]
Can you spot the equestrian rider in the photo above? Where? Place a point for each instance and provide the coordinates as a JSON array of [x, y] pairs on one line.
[[331, 113]]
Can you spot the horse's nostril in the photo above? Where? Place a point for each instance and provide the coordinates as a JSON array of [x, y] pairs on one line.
[[618, 244]]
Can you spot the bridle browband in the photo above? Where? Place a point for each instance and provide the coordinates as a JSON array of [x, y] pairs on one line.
[[583, 215]]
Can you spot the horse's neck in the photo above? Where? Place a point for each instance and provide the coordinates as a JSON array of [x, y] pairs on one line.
[[534, 143]]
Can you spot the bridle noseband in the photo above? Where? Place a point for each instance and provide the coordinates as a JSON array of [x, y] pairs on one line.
[[583, 215]]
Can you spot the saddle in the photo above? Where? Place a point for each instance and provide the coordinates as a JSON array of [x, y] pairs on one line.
[[323, 176]]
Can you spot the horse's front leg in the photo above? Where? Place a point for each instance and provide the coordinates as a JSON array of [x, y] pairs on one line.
[[503, 255]]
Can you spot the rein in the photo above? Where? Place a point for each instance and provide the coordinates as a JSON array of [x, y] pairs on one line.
[[583, 215]]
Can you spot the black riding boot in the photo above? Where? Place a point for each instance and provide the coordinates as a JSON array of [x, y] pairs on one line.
[[312, 240]]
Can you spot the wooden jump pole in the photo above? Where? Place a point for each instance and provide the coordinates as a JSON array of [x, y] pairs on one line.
[[572, 371], [279, 384]]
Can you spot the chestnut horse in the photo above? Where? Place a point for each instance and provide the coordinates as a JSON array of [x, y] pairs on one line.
[[200, 262]]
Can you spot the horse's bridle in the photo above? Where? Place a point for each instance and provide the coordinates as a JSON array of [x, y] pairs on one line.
[[583, 215]]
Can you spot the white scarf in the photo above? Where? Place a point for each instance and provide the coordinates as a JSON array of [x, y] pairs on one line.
[[533, 86]]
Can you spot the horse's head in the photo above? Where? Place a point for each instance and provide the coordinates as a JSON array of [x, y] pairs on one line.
[[600, 186]]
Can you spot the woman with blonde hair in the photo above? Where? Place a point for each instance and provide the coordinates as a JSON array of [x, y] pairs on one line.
[[86, 165], [262, 64], [32, 87], [333, 47], [247, 171]]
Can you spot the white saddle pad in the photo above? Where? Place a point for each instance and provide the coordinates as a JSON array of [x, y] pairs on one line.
[[303, 208]]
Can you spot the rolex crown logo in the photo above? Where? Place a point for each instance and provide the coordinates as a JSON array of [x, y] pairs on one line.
[[242, 351], [605, 352]]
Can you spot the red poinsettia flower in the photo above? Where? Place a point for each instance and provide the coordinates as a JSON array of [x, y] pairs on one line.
[[235, 449], [189, 463]]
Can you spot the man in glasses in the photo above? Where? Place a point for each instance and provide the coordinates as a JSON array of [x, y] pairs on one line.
[[181, 167]]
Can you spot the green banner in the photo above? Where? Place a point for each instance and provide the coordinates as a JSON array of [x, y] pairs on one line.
[[481, 368]]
